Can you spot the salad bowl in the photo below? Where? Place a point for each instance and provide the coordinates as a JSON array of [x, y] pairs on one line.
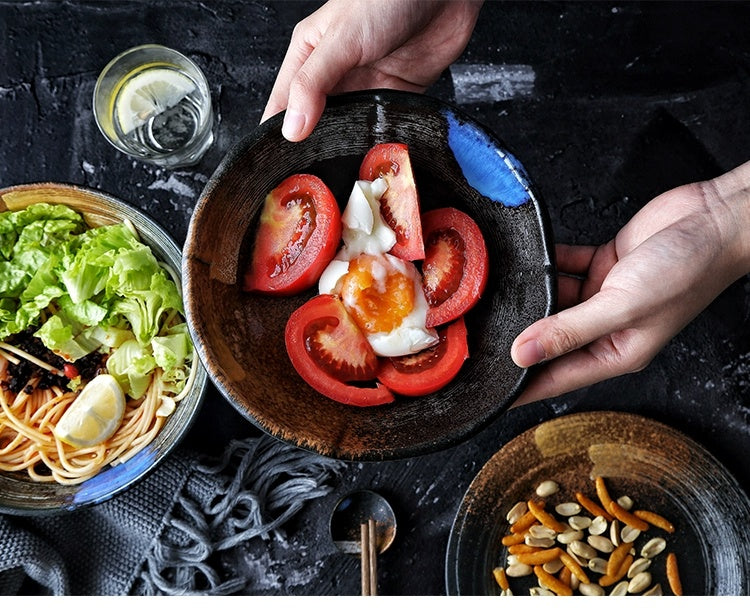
[[20, 495], [240, 335]]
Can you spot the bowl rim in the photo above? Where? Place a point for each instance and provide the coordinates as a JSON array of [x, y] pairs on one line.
[[333, 102], [150, 460]]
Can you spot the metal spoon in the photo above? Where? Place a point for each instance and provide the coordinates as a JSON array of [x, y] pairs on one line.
[[349, 515]]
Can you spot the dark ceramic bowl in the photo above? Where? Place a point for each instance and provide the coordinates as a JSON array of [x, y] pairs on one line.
[[240, 337], [658, 467], [18, 494]]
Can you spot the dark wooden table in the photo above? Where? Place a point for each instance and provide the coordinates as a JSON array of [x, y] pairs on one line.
[[607, 105]]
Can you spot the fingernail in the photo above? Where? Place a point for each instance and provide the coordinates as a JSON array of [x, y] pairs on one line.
[[529, 353], [294, 123]]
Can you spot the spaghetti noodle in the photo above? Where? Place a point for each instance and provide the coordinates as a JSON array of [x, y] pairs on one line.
[[28, 443]]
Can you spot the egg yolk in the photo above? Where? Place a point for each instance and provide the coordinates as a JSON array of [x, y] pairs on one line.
[[376, 294]]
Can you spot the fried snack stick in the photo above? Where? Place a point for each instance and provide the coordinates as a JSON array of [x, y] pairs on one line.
[[551, 582], [539, 556], [565, 576], [523, 523], [574, 567], [603, 494], [547, 519], [592, 507], [512, 539], [654, 519], [673, 574], [501, 578], [617, 557], [627, 518], [521, 548], [608, 580]]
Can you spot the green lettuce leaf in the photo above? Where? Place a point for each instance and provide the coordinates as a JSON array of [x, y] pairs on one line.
[[93, 289], [143, 308], [98, 251], [66, 337], [132, 366], [39, 228]]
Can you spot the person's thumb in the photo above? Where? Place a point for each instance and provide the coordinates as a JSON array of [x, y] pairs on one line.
[[317, 77], [566, 331]]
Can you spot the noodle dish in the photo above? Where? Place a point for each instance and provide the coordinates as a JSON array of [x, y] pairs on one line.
[[95, 355]]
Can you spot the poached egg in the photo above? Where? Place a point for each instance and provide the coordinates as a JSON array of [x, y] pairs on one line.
[[381, 292]]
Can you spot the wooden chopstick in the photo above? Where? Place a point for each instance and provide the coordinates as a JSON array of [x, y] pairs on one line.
[[364, 533], [373, 551], [369, 555]]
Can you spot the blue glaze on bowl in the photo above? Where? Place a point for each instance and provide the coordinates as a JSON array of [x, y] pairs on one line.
[[107, 483], [493, 172]]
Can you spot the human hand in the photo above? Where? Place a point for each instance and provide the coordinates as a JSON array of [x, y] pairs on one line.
[[620, 303], [349, 45]]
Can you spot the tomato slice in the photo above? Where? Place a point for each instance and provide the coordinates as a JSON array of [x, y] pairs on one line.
[[456, 265], [328, 350], [399, 205], [429, 370], [299, 232]]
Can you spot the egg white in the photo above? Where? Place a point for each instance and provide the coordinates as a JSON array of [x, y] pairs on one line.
[[365, 232]]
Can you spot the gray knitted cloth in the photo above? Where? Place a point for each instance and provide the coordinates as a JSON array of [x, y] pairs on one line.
[[179, 531]]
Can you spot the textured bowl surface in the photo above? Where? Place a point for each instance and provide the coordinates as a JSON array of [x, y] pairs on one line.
[[22, 496], [241, 336], [659, 468]]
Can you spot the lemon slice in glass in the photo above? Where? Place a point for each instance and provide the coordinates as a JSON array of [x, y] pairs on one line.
[[94, 415], [148, 94]]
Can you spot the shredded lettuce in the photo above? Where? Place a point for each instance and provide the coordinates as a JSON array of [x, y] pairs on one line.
[[132, 366], [88, 289], [143, 307]]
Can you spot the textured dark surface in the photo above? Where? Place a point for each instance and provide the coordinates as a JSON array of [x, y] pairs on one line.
[[607, 104]]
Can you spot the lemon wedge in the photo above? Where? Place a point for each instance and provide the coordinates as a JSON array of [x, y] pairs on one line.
[[94, 415], [149, 93]]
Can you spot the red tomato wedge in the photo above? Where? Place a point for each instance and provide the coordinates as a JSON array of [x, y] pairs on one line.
[[455, 269], [328, 350], [429, 370], [399, 205], [298, 234]]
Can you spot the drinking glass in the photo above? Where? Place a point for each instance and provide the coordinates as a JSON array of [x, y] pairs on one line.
[[154, 104]]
